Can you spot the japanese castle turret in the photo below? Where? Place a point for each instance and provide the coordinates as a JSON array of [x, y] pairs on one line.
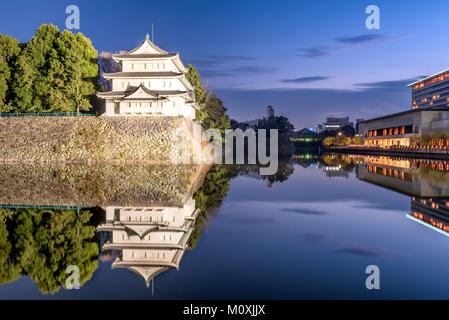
[[152, 83]]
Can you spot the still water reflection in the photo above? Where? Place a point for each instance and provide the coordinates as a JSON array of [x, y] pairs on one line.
[[152, 232]]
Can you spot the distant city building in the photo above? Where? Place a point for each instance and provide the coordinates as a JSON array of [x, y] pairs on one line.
[[305, 136], [252, 123], [432, 91], [357, 126], [270, 111], [429, 113], [333, 123]]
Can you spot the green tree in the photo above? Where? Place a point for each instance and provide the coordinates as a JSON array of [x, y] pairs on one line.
[[73, 72], [9, 51], [31, 82], [56, 72], [195, 80], [209, 198], [329, 141], [211, 111], [43, 243]]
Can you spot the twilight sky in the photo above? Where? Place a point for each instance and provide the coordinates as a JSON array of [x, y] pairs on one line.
[[310, 59]]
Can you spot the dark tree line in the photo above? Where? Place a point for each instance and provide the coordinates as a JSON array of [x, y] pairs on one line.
[[43, 243]]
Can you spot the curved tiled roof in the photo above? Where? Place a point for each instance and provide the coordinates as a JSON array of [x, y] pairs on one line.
[[142, 74], [143, 55]]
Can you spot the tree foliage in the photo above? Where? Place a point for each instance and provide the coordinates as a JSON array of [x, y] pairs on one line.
[[210, 197], [9, 51], [281, 123], [54, 72], [43, 243], [211, 111]]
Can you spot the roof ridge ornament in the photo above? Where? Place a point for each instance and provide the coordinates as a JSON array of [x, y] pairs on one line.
[[147, 37]]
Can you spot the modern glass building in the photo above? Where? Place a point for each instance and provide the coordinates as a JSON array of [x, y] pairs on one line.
[[432, 91]]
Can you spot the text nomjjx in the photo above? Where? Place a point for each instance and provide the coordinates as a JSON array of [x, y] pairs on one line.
[[185, 153]]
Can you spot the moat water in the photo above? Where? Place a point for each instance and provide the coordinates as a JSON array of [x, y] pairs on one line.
[[307, 233]]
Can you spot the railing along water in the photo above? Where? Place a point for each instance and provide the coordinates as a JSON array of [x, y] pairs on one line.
[[46, 114]]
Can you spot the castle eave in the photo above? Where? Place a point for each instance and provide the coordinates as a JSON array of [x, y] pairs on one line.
[[142, 56], [144, 75]]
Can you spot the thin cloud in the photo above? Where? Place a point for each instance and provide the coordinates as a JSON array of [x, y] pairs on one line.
[[369, 251], [305, 79], [212, 60], [236, 71], [391, 84], [315, 238], [315, 52], [254, 69], [348, 43], [361, 252], [304, 211], [361, 39]]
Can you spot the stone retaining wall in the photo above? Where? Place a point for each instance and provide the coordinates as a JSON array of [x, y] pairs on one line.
[[89, 139]]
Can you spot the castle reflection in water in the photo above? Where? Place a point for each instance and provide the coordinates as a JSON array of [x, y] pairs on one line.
[[146, 217], [150, 239]]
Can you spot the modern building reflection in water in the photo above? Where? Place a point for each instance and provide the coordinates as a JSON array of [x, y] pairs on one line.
[[414, 177], [426, 181]]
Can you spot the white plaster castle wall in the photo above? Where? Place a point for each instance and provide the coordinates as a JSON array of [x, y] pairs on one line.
[[162, 84], [157, 65], [150, 255], [175, 217], [158, 237]]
